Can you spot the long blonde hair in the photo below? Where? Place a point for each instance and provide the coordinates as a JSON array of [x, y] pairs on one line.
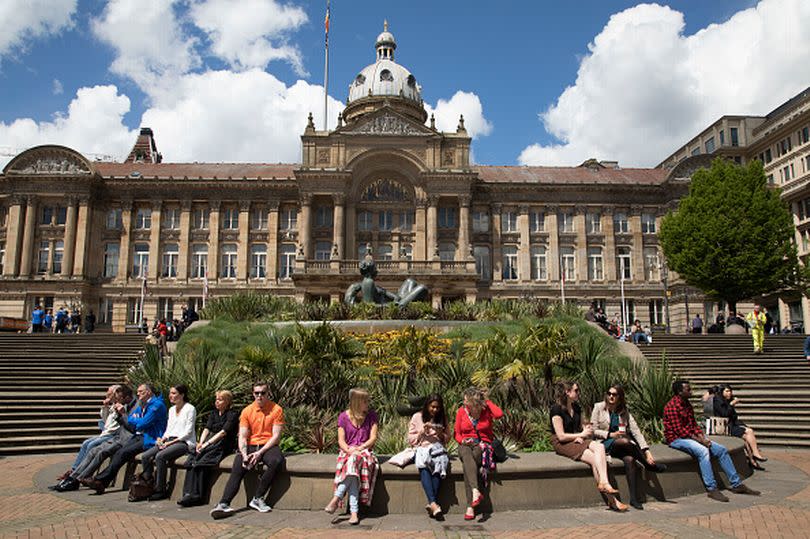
[[357, 397]]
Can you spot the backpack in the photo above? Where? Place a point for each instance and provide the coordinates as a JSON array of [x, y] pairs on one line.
[[140, 489]]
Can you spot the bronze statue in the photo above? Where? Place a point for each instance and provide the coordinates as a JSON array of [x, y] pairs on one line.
[[367, 290]]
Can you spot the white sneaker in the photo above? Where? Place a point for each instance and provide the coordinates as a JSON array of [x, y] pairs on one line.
[[222, 510], [259, 505]]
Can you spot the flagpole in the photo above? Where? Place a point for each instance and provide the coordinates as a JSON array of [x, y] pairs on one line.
[[624, 303], [326, 69], [562, 280], [143, 297]]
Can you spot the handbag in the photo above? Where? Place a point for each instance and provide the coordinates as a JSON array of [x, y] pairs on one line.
[[498, 450], [140, 489], [717, 426]]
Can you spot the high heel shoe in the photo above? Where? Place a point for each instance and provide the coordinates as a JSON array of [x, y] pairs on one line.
[[760, 459], [606, 488], [616, 505]]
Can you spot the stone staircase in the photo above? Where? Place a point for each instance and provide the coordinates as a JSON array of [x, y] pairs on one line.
[[51, 387], [773, 388]]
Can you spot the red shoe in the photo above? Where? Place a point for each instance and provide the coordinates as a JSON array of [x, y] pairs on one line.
[[477, 501], [468, 516]]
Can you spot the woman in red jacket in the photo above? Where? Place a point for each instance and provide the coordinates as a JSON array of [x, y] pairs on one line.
[[473, 432]]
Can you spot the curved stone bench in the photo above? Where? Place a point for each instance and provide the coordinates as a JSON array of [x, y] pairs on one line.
[[525, 481]]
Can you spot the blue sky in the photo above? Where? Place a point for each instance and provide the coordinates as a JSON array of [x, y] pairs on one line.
[[539, 82]]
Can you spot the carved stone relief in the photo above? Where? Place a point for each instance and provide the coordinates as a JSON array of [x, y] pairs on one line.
[[387, 124]]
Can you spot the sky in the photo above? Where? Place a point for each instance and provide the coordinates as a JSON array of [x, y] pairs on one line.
[[538, 82]]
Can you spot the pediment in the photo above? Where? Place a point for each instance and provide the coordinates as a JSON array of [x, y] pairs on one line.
[[388, 123], [49, 161]]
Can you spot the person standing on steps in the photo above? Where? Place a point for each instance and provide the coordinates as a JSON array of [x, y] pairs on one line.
[[37, 319], [682, 432], [697, 324], [756, 320]]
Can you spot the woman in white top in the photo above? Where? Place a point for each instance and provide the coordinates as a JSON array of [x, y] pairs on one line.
[[178, 440]]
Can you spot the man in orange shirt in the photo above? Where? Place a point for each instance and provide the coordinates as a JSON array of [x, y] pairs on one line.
[[260, 427]]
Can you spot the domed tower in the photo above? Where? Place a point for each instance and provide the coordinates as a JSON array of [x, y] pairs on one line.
[[384, 81]]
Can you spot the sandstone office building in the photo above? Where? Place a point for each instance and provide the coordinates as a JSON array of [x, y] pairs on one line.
[[385, 182]]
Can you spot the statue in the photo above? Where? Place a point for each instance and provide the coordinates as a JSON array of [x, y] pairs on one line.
[[367, 290]]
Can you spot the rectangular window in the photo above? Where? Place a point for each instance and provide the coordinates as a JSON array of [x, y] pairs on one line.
[[365, 221], [447, 252], [509, 222], [42, 258], [230, 219], [595, 266], [784, 146], [286, 261], [385, 219], [735, 139], [323, 250], [652, 271], [170, 219], [200, 219], [483, 263], [770, 179], [58, 254], [710, 145], [406, 221], [768, 156], [228, 257], [165, 308], [140, 260], [537, 221], [538, 263], [133, 311], [695, 151], [623, 264], [566, 223], [47, 215], [620, 223], [385, 252], [568, 263], [722, 138], [288, 219], [593, 222], [657, 312], [61, 215], [143, 219], [406, 252], [199, 261], [631, 310], [105, 311], [258, 261], [324, 216], [448, 217], [647, 223], [786, 174], [510, 263], [258, 219], [171, 252], [111, 251], [480, 221], [804, 135]]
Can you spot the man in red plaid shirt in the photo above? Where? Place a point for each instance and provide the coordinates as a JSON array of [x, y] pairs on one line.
[[683, 433]]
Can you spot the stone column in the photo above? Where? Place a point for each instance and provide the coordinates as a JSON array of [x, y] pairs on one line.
[[242, 262], [28, 237], [83, 227], [637, 262], [524, 247], [339, 224], [69, 238], [350, 249], [609, 254], [213, 240], [184, 249], [305, 225], [463, 250], [497, 256], [154, 242], [420, 228], [272, 239], [126, 240], [432, 244], [582, 243], [553, 253], [14, 236]]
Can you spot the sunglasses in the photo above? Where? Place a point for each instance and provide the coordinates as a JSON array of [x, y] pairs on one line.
[[612, 394], [259, 393]]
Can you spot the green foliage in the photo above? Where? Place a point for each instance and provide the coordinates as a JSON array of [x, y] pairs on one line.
[[732, 236], [392, 436]]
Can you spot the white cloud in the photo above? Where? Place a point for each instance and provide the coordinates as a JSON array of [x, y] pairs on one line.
[[150, 44], [250, 33], [645, 89], [24, 20], [447, 113], [93, 124], [226, 116], [57, 88]]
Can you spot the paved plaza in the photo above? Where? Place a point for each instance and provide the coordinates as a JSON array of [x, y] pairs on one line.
[[29, 510]]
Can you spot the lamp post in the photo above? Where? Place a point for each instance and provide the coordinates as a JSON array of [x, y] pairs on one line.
[[665, 280]]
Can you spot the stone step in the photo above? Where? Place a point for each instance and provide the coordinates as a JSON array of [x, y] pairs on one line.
[[36, 448]]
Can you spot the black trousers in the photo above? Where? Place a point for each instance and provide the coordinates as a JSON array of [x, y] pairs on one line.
[[271, 459], [127, 452]]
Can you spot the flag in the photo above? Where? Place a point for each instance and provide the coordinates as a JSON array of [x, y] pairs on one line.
[[326, 22]]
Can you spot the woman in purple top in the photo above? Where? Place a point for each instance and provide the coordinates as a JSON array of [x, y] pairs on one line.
[[356, 464]]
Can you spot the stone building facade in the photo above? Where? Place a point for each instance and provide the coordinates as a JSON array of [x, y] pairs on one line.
[[385, 182]]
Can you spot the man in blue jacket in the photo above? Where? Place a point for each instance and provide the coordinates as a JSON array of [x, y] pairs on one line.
[[147, 422]]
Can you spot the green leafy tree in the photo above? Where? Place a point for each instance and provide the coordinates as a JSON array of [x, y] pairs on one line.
[[732, 235]]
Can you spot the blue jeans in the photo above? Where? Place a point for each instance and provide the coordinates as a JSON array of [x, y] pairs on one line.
[[87, 445], [352, 484], [807, 347], [430, 482], [703, 455]]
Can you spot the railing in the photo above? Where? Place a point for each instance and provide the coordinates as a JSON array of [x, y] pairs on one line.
[[388, 267]]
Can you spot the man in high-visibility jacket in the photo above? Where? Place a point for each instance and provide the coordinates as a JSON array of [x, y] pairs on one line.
[[756, 320]]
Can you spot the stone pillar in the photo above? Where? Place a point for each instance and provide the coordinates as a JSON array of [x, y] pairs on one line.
[[339, 225], [582, 243], [14, 236], [432, 244], [553, 257], [463, 250], [637, 262], [154, 242], [242, 262], [524, 247], [213, 240], [69, 238], [609, 254], [806, 314], [272, 239], [83, 227], [350, 252], [305, 225], [420, 226], [497, 256], [184, 249], [126, 240], [28, 237]]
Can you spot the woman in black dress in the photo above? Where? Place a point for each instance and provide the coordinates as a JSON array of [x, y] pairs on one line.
[[724, 403]]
